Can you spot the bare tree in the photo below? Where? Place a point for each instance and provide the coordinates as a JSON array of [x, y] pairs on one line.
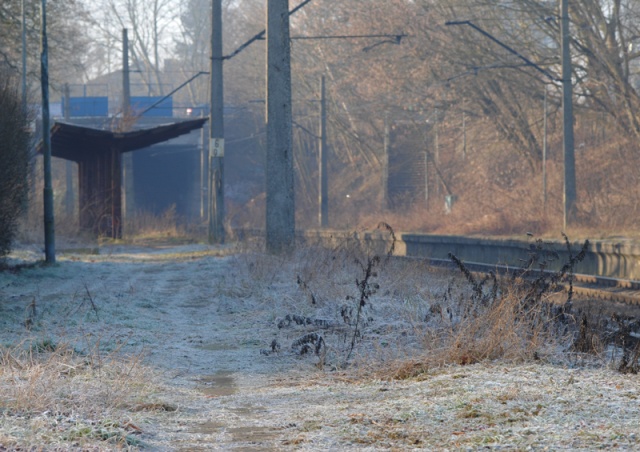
[[150, 22], [67, 21]]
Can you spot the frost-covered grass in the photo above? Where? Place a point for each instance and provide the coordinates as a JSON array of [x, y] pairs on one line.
[[55, 397], [159, 347]]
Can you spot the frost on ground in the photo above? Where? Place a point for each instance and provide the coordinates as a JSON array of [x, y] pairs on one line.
[[200, 348]]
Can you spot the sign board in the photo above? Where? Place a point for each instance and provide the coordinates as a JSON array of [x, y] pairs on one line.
[[216, 147]]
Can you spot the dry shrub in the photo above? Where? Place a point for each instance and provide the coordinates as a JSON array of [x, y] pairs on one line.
[[503, 330], [471, 331], [253, 264], [52, 396], [31, 224], [509, 318], [414, 319], [249, 215], [14, 155], [148, 226]]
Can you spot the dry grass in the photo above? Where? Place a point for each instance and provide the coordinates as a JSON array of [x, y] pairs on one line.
[[417, 317], [468, 333], [54, 397], [199, 315], [146, 225], [420, 320]]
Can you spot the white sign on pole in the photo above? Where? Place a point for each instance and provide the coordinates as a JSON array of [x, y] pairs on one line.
[[216, 147]]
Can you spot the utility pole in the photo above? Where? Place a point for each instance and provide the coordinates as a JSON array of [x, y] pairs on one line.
[[280, 221], [426, 178], [66, 112], [204, 170], [544, 154], [464, 132], [385, 158], [127, 158], [323, 189], [69, 199], [24, 57], [436, 146], [126, 86], [25, 107], [569, 194], [49, 230], [216, 136], [567, 121]]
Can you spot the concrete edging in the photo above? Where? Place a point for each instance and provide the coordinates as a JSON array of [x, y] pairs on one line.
[[619, 259]]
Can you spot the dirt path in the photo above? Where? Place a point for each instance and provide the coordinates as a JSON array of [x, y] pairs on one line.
[[198, 317], [207, 333]]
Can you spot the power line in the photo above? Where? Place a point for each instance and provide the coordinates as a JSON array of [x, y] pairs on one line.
[[504, 46], [398, 37], [260, 35]]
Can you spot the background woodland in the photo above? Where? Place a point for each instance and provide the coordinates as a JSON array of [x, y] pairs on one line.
[[473, 111]]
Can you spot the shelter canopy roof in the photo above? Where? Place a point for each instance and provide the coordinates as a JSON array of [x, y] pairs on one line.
[[76, 143]]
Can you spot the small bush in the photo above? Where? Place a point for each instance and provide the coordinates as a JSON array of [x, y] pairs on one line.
[[145, 226], [14, 158], [512, 317]]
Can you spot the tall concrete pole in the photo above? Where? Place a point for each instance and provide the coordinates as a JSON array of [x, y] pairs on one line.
[[126, 85], [567, 121], [66, 111], [24, 57], [204, 173], [544, 154], [24, 101], [216, 136], [280, 221], [385, 157], [464, 134], [128, 197], [49, 229], [426, 178], [436, 146], [323, 189], [69, 199]]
